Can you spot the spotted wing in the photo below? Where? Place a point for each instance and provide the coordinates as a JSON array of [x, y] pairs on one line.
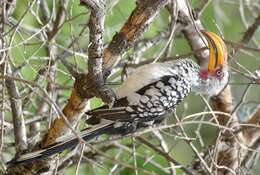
[[147, 103]]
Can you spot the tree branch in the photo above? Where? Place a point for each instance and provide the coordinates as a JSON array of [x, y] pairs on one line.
[[227, 157], [164, 154], [121, 42]]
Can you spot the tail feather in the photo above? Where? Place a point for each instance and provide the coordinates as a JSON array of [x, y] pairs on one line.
[[62, 144]]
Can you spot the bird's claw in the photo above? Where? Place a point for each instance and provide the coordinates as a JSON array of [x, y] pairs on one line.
[[107, 95]]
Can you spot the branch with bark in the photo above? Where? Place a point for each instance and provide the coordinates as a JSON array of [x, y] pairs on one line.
[[77, 103], [224, 157], [227, 153]]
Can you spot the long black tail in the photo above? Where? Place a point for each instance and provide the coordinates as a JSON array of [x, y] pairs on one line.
[[63, 143]]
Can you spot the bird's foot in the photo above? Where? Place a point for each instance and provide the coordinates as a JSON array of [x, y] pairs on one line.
[[107, 95]]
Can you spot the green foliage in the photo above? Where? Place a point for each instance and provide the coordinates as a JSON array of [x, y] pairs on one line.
[[27, 49]]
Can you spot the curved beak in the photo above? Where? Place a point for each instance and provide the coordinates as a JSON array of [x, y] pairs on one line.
[[217, 51]]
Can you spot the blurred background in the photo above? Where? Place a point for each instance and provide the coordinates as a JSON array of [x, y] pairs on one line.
[[29, 54]]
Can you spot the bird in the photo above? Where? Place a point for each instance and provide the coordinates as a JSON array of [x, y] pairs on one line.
[[150, 93]]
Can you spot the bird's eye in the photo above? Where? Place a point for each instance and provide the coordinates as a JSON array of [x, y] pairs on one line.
[[219, 73]]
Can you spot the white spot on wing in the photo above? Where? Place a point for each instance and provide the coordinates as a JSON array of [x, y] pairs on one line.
[[159, 85], [129, 109], [172, 81], [144, 99], [133, 98]]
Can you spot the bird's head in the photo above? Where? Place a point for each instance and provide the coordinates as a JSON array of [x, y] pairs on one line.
[[214, 77]]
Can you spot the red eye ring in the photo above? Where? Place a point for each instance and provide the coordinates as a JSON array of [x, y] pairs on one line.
[[219, 73]]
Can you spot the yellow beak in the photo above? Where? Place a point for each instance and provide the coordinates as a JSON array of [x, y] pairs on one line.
[[217, 51]]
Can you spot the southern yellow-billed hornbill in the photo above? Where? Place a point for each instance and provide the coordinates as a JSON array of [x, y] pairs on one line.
[[152, 91]]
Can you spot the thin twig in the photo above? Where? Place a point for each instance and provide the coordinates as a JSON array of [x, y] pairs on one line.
[[164, 154]]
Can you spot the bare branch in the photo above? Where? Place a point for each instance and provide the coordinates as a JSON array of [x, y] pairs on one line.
[[164, 154]]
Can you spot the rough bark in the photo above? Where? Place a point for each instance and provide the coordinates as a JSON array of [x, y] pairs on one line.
[[139, 20]]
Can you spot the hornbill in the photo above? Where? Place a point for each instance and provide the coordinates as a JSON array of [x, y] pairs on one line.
[[147, 95]]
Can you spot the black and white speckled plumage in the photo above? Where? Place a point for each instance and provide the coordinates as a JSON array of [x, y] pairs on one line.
[[145, 97], [156, 97]]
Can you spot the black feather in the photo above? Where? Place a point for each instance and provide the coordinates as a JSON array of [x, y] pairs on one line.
[[62, 145]]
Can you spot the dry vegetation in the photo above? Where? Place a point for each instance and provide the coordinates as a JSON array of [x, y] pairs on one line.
[[55, 56]]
